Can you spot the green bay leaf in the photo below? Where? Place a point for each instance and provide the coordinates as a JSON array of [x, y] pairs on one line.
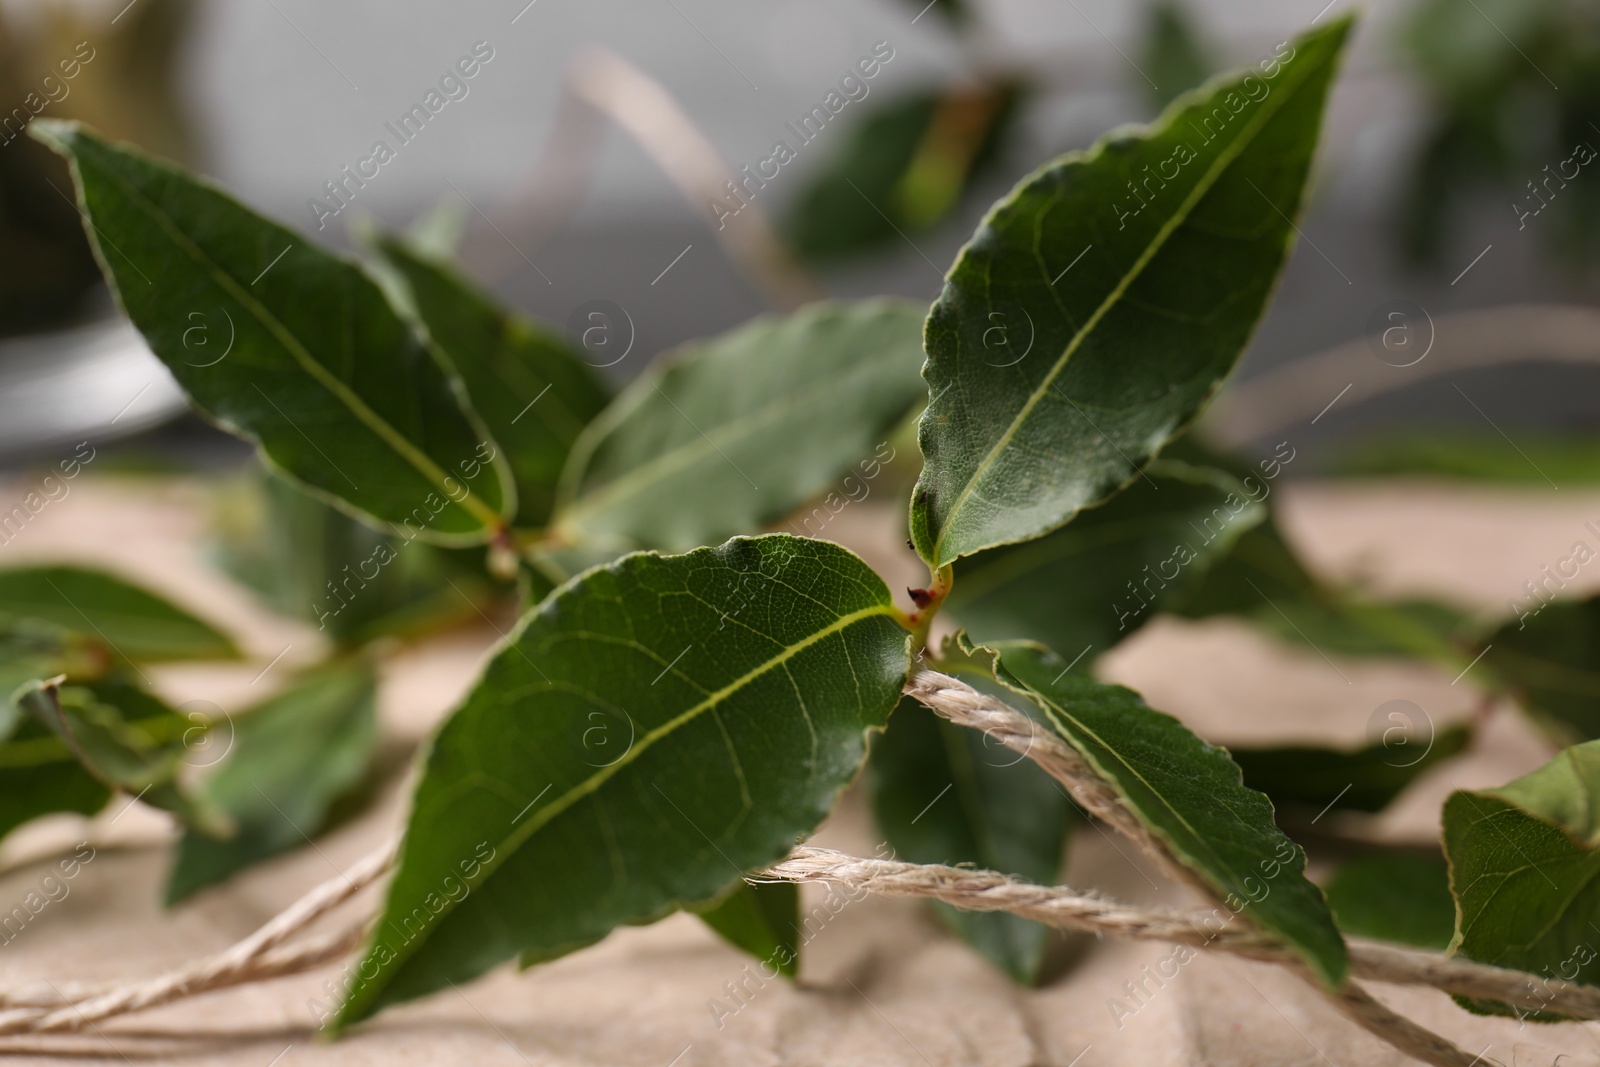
[[1054, 377], [657, 728], [39, 775], [1525, 874], [1174, 56], [727, 435], [125, 739], [289, 759], [286, 344], [763, 919], [357, 583], [1400, 897], [1467, 457], [130, 622], [1190, 795], [1260, 577], [1549, 655], [915, 157], [1112, 569], [533, 392], [1316, 779]]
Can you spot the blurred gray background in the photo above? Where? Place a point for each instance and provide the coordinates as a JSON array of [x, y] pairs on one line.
[[281, 94]]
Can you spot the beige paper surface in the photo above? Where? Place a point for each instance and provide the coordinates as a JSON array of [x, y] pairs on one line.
[[882, 984]]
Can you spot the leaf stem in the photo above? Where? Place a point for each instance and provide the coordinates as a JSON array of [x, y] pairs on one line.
[[928, 601], [503, 553]]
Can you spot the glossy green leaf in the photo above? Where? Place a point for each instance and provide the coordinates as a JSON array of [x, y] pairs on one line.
[[131, 623], [311, 561], [1190, 796], [136, 745], [289, 759], [1400, 897], [1101, 304], [1549, 655], [534, 394], [728, 435], [1365, 779], [1525, 872], [763, 919], [942, 793], [287, 345], [657, 728], [1112, 569], [905, 165]]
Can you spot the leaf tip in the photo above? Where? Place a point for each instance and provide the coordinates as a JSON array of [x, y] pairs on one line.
[[55, 134]]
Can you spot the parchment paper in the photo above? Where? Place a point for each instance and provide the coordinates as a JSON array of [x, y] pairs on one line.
[[881, 982]]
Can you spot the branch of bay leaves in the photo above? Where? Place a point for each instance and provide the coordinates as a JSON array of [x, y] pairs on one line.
[[796, 398]]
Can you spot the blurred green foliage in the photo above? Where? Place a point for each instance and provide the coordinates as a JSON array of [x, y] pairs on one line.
[[904, 169], [1397, 897], [1512, 87], [309, 560], [1534, 462], [1173, 57]]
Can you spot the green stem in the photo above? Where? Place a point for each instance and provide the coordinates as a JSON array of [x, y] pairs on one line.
[[920, 622]]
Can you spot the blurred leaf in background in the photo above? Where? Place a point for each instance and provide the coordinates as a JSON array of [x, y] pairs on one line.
[[1400, 897], [31, 649], [1261, 578], [1549, 655], [1174, 57], [956, 12], [906, 166], [65, 63], [1535, 462], [1303, 778], [763, 919], [291, 758], [1500, 125], [309, 560], [125, 739], [132, 622]]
